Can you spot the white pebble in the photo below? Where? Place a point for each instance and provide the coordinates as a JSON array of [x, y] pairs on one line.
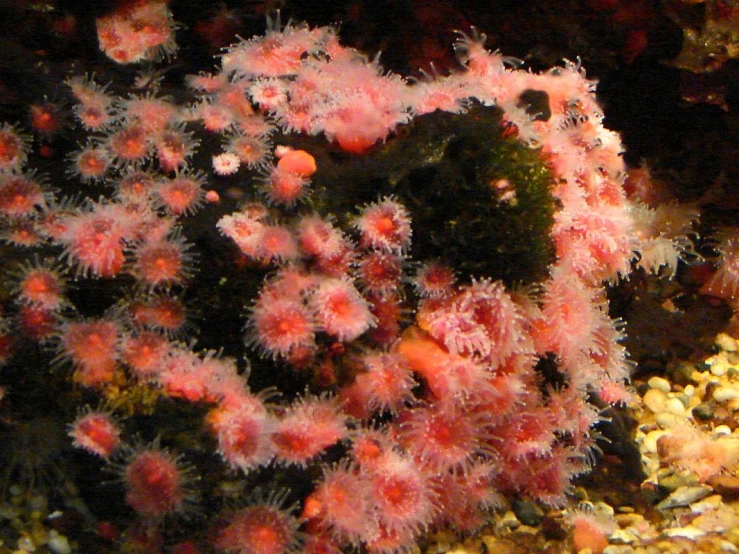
[[689, 390], [58, 544], [659, 383], [726, 342], [650, 441], [25, 544], [722, 430], [689, 532], [654, 399], [719, 367], [675, 406], [722, 394], [667, 420]]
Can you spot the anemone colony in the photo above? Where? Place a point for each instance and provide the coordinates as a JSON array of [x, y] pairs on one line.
[[413, 394]]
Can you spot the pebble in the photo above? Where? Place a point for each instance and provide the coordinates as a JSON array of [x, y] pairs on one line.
[[627, 520], [618, 549], [719, 367], [703, 412], [667, 420], [725, 485], [622, 536], [58, 544], [654, 399], [689, 532], [683, 496], [721, 430], [675, 406], [650, 440], [510, 521], [723, 394], [26, 545], [528, 513], [727, 342], [706, 505], [659, 383]]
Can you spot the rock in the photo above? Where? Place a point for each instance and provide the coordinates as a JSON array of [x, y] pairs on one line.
[[667, 420], [683, 496], [654, 399], [659, 383], [622, 536], [675, 406], [689, 532], [510, 521], [724, 394], [528, 513], [618, 549], [726, 342], [704, 411], [725, 485]]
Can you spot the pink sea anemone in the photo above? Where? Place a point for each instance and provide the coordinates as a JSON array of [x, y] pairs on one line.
[[340, 309], [443, 436], [97, 432], [265, 526], [156, 482], [402, 493], [280, 326], [481, 319], [307, 429], [341, 501], [384, 225]]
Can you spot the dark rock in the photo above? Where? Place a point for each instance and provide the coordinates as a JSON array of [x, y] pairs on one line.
[[528, 513]]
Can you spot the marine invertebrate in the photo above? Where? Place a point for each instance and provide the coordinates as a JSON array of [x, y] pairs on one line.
[[449, 389]]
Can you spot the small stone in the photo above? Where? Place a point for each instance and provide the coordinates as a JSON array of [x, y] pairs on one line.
[[25, 544], [689, 390], [689, 532], [723, 394], [618, 549], [721, 430], [650, 440], [58, 544], [719, 367], [629, 520], [726, 342], [704, 411], [725, 485], [622, 536], [683, 496], [667, 420], [654, 399], [673, 479], [675, 406], [706, 505], [659, 383], [528, 513], [510, 521]]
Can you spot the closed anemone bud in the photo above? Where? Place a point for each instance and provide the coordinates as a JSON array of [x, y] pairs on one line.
[[299, 162], [97, 432]]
